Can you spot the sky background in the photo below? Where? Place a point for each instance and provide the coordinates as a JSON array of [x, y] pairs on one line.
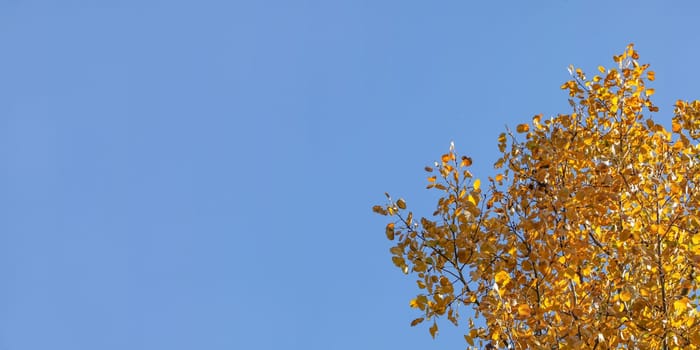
[[200, 174]]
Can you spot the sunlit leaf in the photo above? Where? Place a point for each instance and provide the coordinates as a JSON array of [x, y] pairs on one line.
[[524, 310], [502, 278], [680, 306]]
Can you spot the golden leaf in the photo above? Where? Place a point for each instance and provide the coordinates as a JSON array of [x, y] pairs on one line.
[[676, 127], [469, 339], [390, 231], [523, 128], [433, 330], [466, 161], [625, 296], [680, 305], [524, 310], [401, 204], [502, 278], [695, 239], [379, 210]]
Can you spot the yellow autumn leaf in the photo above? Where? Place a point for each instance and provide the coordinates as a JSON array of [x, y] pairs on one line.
[[476, 184], [523, 128], [676, 127], [625, 296], [524, 310], [680, 306], [502, 278], [614, 106]]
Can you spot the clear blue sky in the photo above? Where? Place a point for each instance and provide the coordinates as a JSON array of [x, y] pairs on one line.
[[199, 174]]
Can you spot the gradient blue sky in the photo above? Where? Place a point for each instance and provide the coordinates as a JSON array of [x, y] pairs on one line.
[[199, 174]]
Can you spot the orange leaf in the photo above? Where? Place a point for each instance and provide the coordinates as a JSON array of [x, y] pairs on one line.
[[676, 126], [524, 310], [466, 161], [523, 128]]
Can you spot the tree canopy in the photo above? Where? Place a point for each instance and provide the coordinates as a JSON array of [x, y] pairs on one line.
[[586, 236]]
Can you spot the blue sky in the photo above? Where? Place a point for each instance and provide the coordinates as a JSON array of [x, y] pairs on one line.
[[200, 174]]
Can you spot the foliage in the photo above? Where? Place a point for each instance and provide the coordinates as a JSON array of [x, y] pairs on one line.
[[587, 237]]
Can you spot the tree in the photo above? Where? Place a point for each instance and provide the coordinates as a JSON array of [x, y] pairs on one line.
[[587, 236]]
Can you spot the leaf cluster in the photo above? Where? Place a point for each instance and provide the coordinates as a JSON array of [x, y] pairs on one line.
[[587, 236]]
